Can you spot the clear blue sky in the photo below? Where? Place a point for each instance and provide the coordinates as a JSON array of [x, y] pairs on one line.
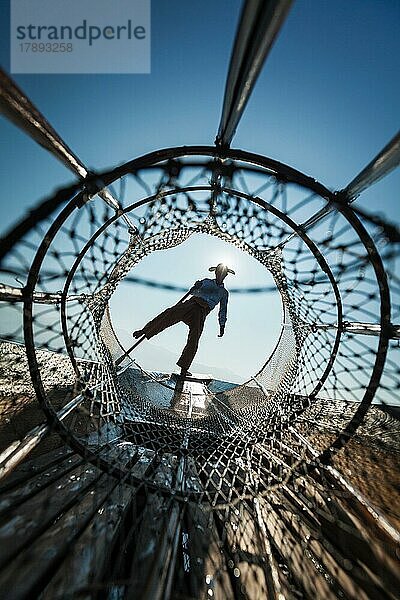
[[326, 102]]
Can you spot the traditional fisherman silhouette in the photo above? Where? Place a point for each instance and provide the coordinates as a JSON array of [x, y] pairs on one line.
[[205, 294]]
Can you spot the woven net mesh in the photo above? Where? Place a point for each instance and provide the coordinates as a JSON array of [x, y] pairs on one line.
[[238, 464]]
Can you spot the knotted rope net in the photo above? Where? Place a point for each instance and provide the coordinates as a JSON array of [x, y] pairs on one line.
[[235, 450]]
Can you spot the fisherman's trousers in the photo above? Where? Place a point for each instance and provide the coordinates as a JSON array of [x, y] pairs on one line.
[[193, 312]]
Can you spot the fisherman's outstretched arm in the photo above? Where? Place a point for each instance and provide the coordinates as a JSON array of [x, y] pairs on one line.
[[196, 285], [223, 309]]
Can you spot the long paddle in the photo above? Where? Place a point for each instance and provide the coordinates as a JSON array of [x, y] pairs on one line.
[[140, 340]]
